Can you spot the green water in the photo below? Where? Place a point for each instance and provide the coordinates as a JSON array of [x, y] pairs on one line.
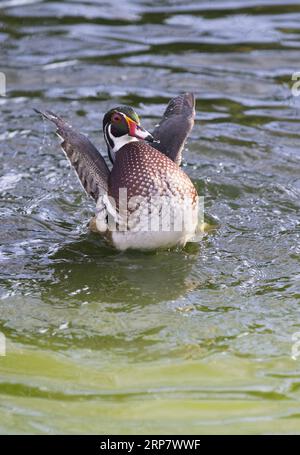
[[193, 341]]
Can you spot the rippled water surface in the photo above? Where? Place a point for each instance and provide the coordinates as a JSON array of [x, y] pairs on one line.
[[193, 341]]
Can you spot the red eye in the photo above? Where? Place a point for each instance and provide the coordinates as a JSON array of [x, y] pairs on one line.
[[116, 118]]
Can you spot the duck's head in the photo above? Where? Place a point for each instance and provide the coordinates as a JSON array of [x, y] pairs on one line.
[[120, 126]]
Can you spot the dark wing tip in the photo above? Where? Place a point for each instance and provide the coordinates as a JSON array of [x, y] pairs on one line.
[[37, 111], [190, 101], [175, 125], [56, 119], [183, 104], [47, 114]]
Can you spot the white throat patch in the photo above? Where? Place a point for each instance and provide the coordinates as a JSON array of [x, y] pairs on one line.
[[119, 142]]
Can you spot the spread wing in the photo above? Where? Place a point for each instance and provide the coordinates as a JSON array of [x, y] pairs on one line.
[[88, 163], [174, 127]]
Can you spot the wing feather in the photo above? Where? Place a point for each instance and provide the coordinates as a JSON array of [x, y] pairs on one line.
[[174, 127], [87, 161]]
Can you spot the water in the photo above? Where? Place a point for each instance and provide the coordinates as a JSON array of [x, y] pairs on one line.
[[197, 341]]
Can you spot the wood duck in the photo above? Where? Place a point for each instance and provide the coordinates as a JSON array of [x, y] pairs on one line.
[[145, 201]]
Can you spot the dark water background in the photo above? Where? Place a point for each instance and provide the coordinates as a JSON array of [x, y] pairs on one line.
[[170, 342]]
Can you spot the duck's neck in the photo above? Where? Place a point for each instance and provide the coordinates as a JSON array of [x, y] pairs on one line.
[[116, 143]]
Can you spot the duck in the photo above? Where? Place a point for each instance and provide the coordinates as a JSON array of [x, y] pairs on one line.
[[144, 200]]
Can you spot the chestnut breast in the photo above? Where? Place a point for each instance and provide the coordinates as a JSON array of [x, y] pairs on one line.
[[146, 172]]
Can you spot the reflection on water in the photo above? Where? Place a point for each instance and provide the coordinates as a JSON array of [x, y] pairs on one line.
[[190, 341]]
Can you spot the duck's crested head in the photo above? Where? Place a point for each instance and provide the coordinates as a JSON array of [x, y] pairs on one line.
[[127, 111], [120, 126]]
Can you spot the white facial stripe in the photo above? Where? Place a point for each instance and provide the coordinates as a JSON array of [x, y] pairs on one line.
[[108, 139], [124, 116], [106, 134]]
